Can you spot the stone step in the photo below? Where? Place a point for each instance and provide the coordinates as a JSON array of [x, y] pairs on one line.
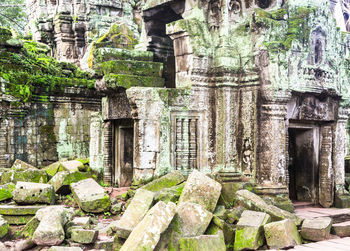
[[114, 81], [19, 210], [130, 67], [302, 204], [106, 54], [338, 215]]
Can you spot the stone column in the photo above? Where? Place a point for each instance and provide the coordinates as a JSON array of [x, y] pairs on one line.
[[272, 152], [108, 153], [339, 149]]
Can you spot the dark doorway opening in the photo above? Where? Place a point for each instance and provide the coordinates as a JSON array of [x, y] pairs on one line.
[[303, 164], [123, 152], [160, 43]]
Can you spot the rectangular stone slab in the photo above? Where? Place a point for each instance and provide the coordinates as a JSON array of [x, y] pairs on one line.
[[33, 193], [18, 219], [19, 210]]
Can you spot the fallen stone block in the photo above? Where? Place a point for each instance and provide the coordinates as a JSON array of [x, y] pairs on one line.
[[169, 194], [282, 234], [117, 208], [202, 190], [30, 228], [54, 168], [61, 181], [72, 165], [60, 248], [18, 214], [169, 180], [19, 164], [253, 202], [26, 175], [134, 213], [342, 229], [17, 219], [203, 243], [90, 196], [190, 220], [83, 236], [6, 191], [84, 222], [31, 193], [4, 227], [146, 234], [249, 231], [316, 229], [52, 219]]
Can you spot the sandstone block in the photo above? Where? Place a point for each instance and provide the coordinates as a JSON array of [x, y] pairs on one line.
[[83, 236], [25, 175], [61, 248], [90, 196], [249, 232], [252, 201], [54, 168], [4, 227], [342, 229], [316, 229], [61, 181], [72, 165], [134, 213], [84, 222], [19, 164], [282, 234], [203, 243], [202, 190], [31, 193], [169, 194], [50, 231], [146, 234], [169, 180]]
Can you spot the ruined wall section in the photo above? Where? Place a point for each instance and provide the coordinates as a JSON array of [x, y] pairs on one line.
[[44, 132]]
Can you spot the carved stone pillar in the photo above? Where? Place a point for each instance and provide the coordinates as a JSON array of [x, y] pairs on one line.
[[272, 152], [326, 176], [108, 153], [339, 149], [64, 37]]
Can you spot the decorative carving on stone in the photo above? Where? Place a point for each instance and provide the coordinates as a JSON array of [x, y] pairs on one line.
[[235, 9], [247, 157], [214, 14], [318, 46]]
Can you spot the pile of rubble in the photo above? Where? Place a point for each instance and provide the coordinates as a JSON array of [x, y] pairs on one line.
[[169, 213]]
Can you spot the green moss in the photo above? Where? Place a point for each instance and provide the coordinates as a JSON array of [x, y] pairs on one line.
[[6, 191], [30, 73], [30, 228], [113, 81], [48, 131]]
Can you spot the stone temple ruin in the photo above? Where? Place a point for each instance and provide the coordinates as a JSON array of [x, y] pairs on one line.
[[250, 90], [253, 93]]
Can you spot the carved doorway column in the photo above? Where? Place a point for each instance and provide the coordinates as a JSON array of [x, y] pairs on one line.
[[272, 152]]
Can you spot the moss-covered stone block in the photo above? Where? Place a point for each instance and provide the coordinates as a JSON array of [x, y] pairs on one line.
[[83, 236], [90, 196], [17, 219], [130, 67], [21, 165], [282, 234], [281, 201], [26, 175], [61, 181], [6, 191], [54, 168], [32, 193], [166, 181], [29, 229], [113, 81], [169, 194], [203, 243], [20, 209], [101, 55]]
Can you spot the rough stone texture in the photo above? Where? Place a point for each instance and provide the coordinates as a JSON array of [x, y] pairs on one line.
[[6, 191], [54, 168], [190, 220], [19, 210], [249, 231], [61, 181], [72, 165], [31, 193], [29, 229], [166, 181], [341, 229], [4, 227], [146, 234], [83, 236], [134, 213], [169, 194], [202, 190], [84, 222], [60, 248], [316, 229], [19, 164], [282, 234], [204, 242], [52, 219], [25, 175], [252, 201], [90, 196]]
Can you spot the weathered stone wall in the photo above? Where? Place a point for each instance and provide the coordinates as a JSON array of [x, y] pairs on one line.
[[44, 132]]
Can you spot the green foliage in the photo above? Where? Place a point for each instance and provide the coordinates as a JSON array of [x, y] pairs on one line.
[[30, 72]]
